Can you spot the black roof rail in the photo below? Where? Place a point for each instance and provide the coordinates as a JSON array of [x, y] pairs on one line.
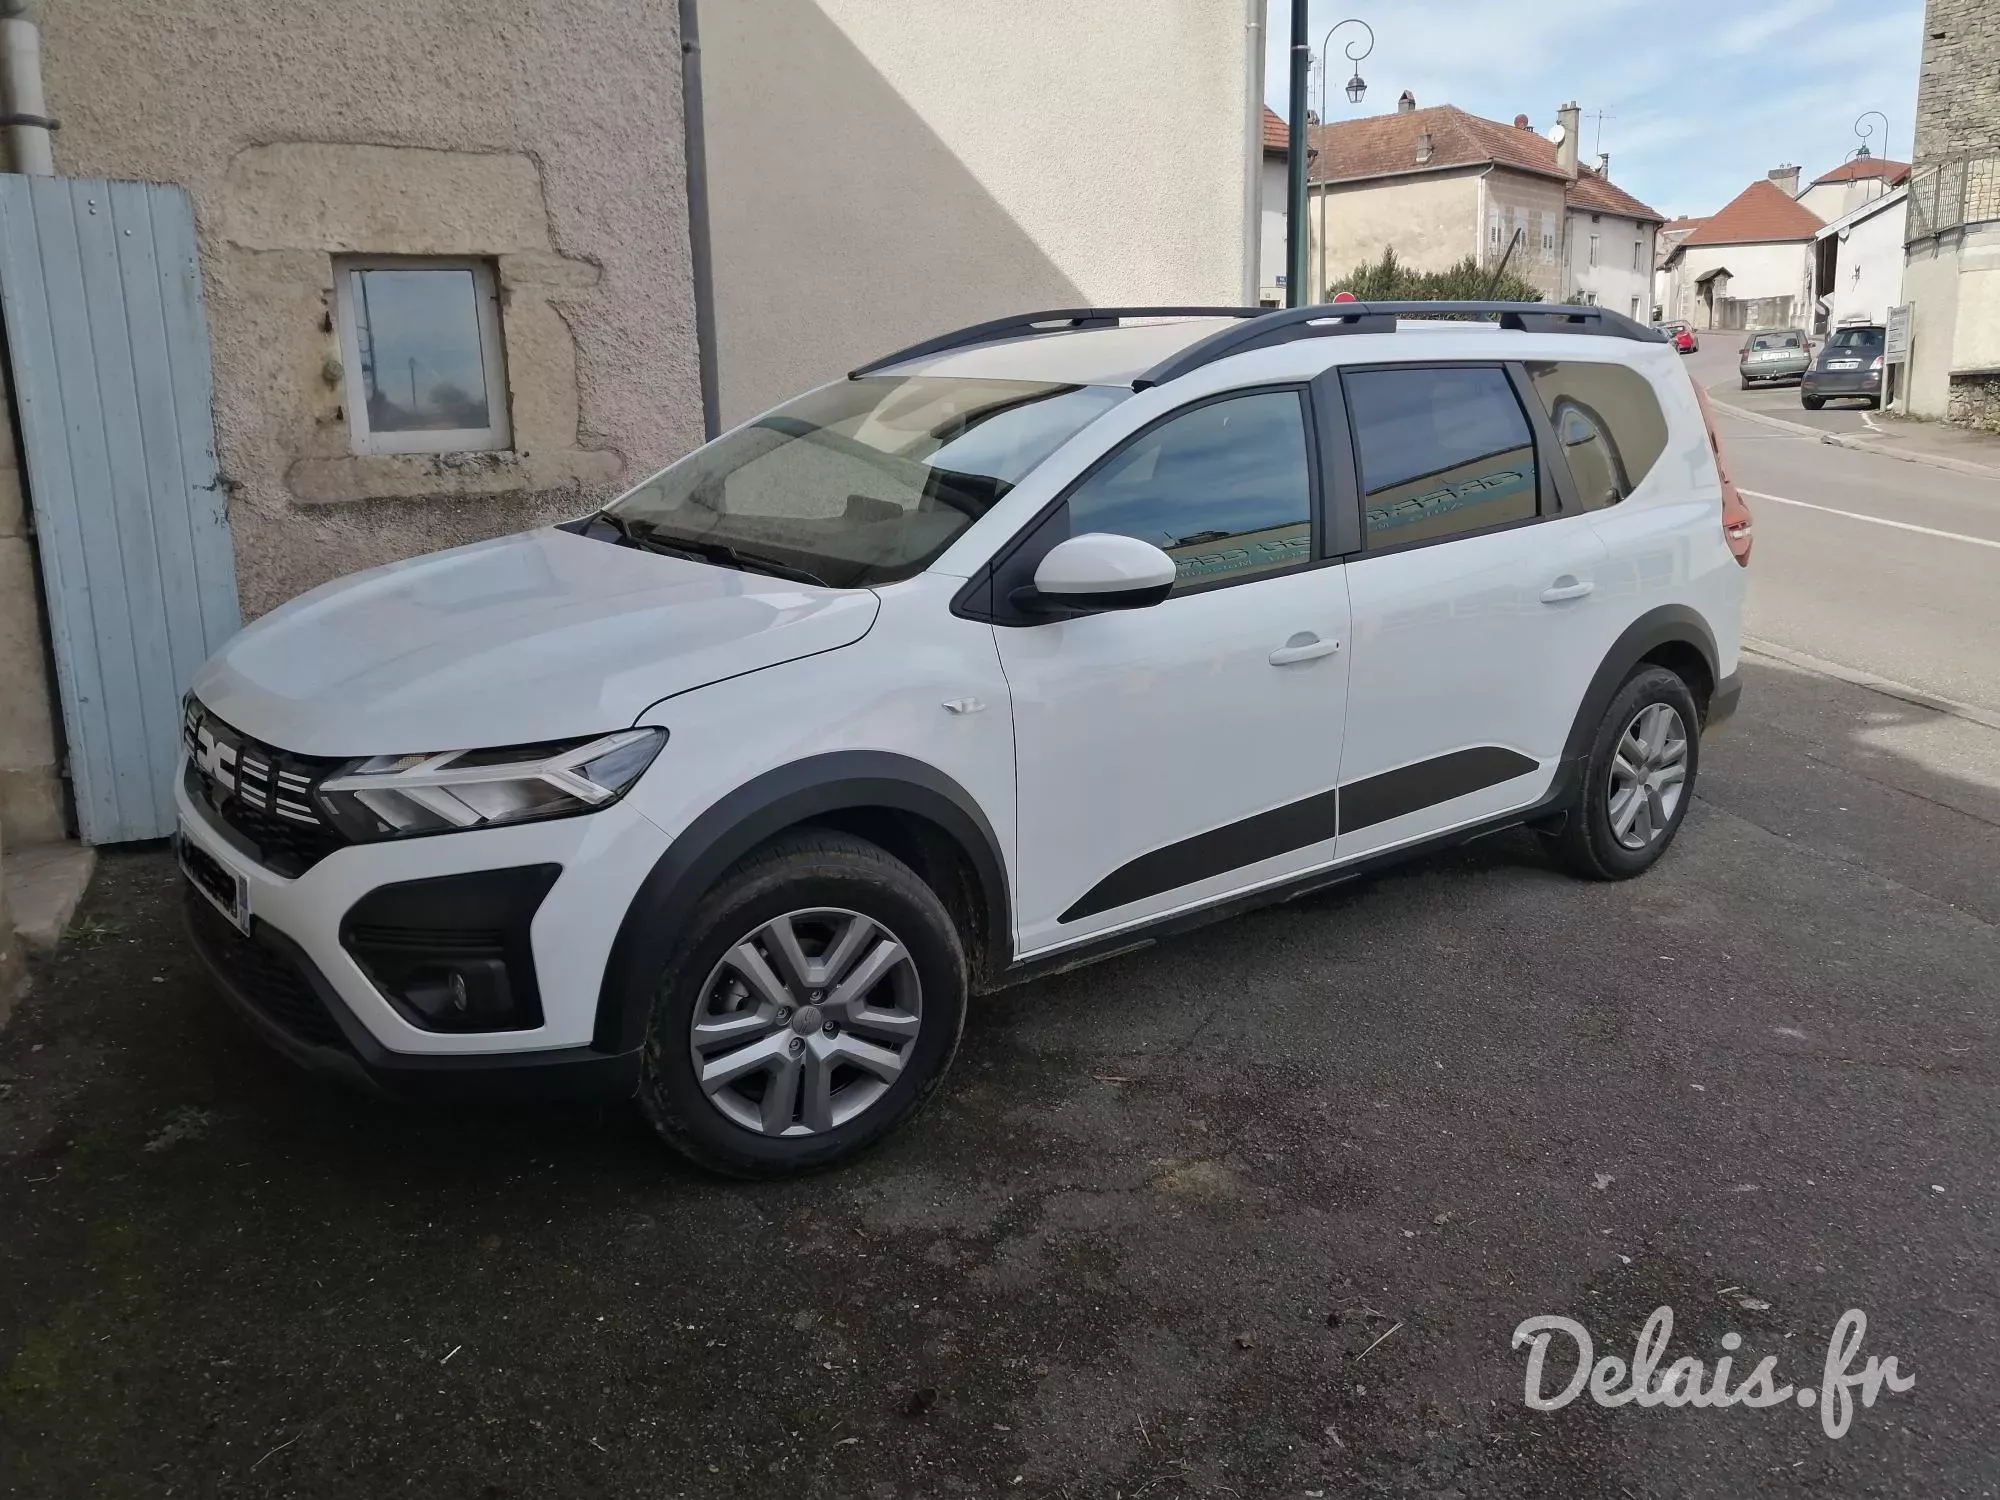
[[1066, 319], [1283, 326]]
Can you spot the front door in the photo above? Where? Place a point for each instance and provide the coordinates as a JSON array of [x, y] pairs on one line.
[[1172, 755]]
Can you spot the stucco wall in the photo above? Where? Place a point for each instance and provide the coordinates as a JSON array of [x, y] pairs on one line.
[[31, 805], [1756, 272], [1534, 205], [1271, 232], [1613, 281], [545, 134], [1868, 268], [1431, 221], [883, 170]]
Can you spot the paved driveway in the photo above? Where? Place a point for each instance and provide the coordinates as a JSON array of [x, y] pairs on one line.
[[1253, 1213]]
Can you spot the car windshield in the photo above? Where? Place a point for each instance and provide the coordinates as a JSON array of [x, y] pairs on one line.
[[1775, 341], [1856, 338], [861, 482]]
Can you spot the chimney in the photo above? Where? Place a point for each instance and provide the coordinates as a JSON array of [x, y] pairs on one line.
[[1604, 165], [1786, 177], [1521, 123], [1407, 105], [1570, 118]]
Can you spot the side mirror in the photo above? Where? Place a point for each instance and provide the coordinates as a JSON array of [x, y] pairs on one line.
[[1100, 571]]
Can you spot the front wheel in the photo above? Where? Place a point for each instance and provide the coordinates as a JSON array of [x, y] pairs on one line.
[[1638, 780], [814, 1006]]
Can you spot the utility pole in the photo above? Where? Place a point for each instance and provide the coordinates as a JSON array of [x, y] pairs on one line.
[[1296, 238]]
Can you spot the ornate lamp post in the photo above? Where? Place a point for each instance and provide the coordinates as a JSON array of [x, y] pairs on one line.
[[1356, 88]]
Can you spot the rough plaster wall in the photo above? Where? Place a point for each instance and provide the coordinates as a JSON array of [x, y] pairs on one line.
[[1755, 271], [1430, 221], [1930, 286], [883, 170], [585, 94], [1874, 247], [1613, 279], [31, 807], [1527, 196]]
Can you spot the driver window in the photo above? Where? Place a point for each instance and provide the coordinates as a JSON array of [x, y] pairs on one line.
[[1224, 489]]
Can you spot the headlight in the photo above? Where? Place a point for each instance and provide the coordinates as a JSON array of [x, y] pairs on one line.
[[389, 796]]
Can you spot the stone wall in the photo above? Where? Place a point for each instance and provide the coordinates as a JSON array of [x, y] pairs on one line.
[[1975, 402], [1958, 91]]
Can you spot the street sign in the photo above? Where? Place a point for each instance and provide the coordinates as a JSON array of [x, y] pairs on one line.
[[1345, 297], [1896, 342]]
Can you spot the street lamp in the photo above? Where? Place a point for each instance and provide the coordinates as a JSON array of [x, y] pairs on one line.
[[1357, 86], [1861, 152]]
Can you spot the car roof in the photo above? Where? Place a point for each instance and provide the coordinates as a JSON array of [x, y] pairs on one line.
[[1087, 356]]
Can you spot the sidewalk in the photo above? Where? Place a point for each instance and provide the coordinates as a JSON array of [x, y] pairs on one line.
[[1932, 443]]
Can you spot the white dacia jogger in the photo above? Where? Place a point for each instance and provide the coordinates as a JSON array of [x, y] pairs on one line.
[[1015, 648]]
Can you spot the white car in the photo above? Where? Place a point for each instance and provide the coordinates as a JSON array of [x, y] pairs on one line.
[[1019, 647]]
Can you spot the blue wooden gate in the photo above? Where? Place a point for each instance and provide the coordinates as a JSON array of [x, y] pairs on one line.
[[107, 348]]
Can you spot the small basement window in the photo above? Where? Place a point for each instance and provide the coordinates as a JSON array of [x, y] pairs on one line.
[[420, 342]]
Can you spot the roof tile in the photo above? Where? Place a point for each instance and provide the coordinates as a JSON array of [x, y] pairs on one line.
[[1891, 172], [1763, 212]]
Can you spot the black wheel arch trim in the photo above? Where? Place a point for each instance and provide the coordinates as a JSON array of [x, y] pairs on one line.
[[766, 805], [1666, 625]]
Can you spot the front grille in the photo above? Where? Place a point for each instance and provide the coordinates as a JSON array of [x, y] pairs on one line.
[[262, 793], [267, 979]]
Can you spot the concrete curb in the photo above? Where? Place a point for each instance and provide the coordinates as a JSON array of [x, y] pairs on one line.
[[1860, 445], [1886, 686]]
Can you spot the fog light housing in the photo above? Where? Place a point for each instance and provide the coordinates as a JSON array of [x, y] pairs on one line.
[[452, 953]]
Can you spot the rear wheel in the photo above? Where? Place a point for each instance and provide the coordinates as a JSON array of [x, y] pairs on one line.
[[1638, 780], [814, 1007], [1812, 403]]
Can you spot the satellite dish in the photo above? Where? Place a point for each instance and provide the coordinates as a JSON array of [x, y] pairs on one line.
[[1557, 134]]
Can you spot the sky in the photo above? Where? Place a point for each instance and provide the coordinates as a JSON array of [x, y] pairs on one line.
[[1704, 96]]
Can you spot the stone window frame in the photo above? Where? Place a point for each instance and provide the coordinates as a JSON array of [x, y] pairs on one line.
[[497, 435]]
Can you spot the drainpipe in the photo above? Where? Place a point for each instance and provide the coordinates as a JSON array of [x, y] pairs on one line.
[[1253, 187], [700, 251], [22, 109]]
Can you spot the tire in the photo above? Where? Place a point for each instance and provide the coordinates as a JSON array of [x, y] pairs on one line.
[[808, 884], [1812, 403], [1589, 843], [1746, 382]]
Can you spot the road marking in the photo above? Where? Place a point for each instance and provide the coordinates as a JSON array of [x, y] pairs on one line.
[[1855, 515]]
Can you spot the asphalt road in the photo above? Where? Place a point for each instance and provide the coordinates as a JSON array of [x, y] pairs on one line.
[[1716, 365], [1252, 1213]]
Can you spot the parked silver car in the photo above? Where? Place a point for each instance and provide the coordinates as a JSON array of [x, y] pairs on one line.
[[1785, 354]]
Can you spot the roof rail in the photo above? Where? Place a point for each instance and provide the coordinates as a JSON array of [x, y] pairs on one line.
[[1065, 319], [1282, 327]]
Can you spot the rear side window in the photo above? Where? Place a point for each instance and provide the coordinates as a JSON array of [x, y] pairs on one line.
[[1442, 451], [1608, 423], [1223, 489]]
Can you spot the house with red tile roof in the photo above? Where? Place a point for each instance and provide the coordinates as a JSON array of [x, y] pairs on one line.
[[1271, 232], [1836, 194], [1749, 264], [1438, 184]]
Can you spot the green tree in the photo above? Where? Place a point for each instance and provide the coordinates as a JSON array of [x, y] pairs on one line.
[[1389, 280]]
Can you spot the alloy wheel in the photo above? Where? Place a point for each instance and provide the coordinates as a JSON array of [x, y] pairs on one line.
[[806, 1022], [1648, 776]]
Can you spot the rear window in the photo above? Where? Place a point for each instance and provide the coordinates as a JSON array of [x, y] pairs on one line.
[[1856, 338], [1775, 341], [1608, 424]]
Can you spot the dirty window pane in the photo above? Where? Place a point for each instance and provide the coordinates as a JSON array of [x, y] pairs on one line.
[[422, 369]]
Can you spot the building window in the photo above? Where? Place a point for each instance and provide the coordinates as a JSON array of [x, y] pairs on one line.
[[1637, 247], [420, 342], [1548, 237], [1593, 249]]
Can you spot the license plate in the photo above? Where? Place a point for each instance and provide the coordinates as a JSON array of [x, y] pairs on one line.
[[224, 888], [1843, 364]]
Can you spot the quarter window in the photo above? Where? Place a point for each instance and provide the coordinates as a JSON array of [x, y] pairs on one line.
[[1443, 451], [1223, 489], [1608, 424], [420, 343]]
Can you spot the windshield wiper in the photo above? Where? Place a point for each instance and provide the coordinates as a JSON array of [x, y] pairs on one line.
[[721, 553]]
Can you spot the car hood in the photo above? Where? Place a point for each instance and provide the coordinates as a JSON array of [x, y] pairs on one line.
[[532, 637]]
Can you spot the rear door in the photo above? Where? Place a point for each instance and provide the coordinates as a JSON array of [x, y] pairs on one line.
[[1478, 618]]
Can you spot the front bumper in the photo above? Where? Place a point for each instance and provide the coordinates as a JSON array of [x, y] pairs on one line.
[[303, 990]]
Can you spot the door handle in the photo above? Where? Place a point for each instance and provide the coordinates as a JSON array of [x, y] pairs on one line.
[[1566, 587], [1303, 647]]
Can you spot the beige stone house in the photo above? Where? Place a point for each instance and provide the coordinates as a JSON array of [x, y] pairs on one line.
[[1749, 264], [1437, 184], [470, 269]]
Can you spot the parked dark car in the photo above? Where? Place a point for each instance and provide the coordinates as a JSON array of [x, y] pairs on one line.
[[1849, 365]]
